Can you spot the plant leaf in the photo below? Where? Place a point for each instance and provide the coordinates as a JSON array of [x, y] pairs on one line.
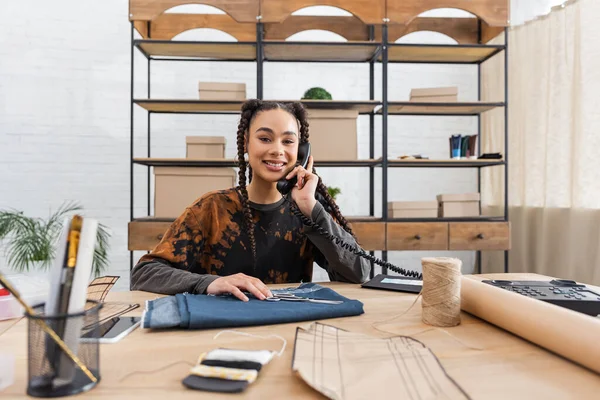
[[13, 222], [55, 221], [29, 248], [101, 250]]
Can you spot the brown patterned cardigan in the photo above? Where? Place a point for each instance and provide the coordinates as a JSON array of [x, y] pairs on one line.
[[209, 240]]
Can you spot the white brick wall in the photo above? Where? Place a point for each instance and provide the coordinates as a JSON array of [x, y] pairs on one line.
[[64, 117]]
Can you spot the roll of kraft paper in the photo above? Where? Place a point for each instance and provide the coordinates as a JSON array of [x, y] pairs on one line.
[[571, 334]]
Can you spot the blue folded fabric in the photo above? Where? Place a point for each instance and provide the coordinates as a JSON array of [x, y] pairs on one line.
[[199, 311]]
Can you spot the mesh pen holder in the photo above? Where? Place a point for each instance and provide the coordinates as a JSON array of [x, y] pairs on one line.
[[52, 372]]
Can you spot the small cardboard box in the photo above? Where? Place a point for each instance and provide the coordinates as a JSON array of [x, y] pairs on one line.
[[459, 205], [439, 94], [412, 209], [333, 134], [178, 187], [205, 147], [221, 91]]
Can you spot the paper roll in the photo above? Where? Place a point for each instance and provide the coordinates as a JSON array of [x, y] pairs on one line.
[[571, 334]]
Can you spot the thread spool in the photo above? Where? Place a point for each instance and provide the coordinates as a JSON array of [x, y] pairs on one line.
[[441, 291]]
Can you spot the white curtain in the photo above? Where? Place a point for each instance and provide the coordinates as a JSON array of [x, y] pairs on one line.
[[522, 11], [554, 144]]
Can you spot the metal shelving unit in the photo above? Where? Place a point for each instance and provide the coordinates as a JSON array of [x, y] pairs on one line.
[[372, 51]]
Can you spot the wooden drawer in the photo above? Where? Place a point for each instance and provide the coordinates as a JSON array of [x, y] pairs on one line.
[[369, 235], [145, 235], [479, 236], [417, 236]]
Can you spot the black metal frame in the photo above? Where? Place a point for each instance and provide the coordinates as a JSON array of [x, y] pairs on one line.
[[380, 55]]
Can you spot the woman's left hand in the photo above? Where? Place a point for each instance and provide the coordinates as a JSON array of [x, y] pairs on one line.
[[304, 191]]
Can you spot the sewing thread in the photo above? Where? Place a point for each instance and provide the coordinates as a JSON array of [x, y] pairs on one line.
[[441, 291]]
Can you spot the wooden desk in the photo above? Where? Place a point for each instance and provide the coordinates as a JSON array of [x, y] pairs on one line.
[[508, 367]]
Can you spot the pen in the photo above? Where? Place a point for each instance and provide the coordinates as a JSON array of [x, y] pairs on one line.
[[68, 271]]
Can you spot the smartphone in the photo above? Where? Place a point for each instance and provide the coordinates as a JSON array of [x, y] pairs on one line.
[[113, 330]]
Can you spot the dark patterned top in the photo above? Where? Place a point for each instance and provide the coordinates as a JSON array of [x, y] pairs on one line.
[[209, 240]]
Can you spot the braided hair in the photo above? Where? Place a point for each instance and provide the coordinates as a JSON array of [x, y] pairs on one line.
[[250, 109]]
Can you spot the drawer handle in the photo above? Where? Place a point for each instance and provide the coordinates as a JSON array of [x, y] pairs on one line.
[[481, 236], [160, 236], [418, 237]]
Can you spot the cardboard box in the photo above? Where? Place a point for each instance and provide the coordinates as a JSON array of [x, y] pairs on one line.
[[205, 147], [412, 209], [459, 205], [433, 95], [175, 188], [333, 134], [221, 91]]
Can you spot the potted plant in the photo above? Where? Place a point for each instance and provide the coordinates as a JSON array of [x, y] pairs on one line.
[[333, 191], [30, 242], [316, 93]]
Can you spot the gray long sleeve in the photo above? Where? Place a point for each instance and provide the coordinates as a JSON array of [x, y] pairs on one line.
[[341, 264], [160, 277]]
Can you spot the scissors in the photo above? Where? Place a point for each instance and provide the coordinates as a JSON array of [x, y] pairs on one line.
[[293, 297]]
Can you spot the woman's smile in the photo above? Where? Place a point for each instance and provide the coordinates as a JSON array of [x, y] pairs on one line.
[[275, 166]]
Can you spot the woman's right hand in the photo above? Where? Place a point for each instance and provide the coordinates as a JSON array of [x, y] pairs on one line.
[[233, 283]]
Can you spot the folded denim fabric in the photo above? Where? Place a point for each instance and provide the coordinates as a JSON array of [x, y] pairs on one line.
[[161, 313], [200, 311]]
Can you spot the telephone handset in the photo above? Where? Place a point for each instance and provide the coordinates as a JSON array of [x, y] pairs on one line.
[[286, 185]]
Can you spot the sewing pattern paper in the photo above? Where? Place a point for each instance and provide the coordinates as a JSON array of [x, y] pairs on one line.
[[345, 365]]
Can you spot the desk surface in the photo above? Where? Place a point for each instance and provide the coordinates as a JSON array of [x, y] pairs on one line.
[[487, 362]]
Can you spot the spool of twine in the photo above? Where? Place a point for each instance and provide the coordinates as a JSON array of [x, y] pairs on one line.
[[441, 291]]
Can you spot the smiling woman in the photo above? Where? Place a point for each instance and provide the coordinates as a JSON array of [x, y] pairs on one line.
[[236, 240]]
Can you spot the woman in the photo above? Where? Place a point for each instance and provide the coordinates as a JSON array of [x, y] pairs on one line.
[[238, 239]]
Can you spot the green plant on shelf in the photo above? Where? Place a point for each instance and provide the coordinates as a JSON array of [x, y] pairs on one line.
[[316, 93], [333, 191], [30, 242]]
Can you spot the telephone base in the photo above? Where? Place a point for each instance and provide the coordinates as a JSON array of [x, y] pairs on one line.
[[560, 292]]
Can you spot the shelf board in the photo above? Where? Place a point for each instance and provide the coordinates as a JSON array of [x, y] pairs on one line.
[[367, 219], [231, 51], [449, 219], [447, 54], [190, 106], [393, 163], [179, 106], [354, 51], [444, 163], [281, 50], [451, 108], [151, 219], [186, 162]]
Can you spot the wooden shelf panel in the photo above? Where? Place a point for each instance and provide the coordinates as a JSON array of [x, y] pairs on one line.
[[145, 233], [448, 219], [187, 162], [422, 108], [374, 234], [352, 51], [459, 54], [183, 106], [444, 163], [240, 51], [279, 50], [190, 106]]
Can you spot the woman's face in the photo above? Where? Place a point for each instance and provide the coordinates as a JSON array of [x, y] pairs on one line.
[[272, 144]]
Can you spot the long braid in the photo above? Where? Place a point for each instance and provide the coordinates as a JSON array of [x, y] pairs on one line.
[[248, 110], [300, 113]]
